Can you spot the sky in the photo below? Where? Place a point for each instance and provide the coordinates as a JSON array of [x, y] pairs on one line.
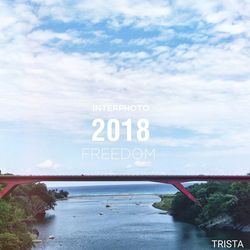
[[187, 60]]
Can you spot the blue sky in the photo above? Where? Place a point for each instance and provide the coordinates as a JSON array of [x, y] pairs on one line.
[[188, 60]]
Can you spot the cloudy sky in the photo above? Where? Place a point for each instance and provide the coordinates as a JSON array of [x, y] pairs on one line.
[[188, 60]]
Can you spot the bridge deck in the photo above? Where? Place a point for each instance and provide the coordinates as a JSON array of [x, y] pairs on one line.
[[157, 178]]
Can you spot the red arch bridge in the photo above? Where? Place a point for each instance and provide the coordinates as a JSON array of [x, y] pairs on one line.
[[11, 181]]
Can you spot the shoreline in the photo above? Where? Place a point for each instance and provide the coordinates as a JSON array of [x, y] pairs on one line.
[[99, 213], [114, 195], [223, 223]]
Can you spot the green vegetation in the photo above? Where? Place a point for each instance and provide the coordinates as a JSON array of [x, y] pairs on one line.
[[20, 209], [61, 194], [219, 200], [165, 203], [17, 213]]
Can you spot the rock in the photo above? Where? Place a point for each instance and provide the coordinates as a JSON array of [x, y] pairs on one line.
[[36, 241], [221, 221], [51, 237], [35, 231]]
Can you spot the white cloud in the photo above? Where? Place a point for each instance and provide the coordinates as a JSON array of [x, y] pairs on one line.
[[45, 36], [123, 12], [203, 87], [140, 164], [48, 164], [143, 164], [148, 13]]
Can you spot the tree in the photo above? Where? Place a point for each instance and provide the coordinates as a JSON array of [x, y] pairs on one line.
[[18, 209]]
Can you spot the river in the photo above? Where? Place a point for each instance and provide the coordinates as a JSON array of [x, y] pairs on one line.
[[129, 223]]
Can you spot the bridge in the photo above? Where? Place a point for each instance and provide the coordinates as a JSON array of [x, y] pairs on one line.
[[11, 181]]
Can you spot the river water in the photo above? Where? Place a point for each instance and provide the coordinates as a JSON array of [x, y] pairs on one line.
[[129, 223]]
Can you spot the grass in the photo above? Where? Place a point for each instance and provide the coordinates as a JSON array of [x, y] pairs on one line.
[[165, 203]]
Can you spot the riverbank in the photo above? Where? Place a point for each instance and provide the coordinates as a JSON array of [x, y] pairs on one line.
[[225, 206], [165, 202], [19, 210], [22, 207]]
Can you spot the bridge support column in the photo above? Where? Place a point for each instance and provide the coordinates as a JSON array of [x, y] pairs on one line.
[[10, 185], [7, 189], [183, 190]]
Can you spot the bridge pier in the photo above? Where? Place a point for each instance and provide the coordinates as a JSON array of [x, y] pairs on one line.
[[184, 191]]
